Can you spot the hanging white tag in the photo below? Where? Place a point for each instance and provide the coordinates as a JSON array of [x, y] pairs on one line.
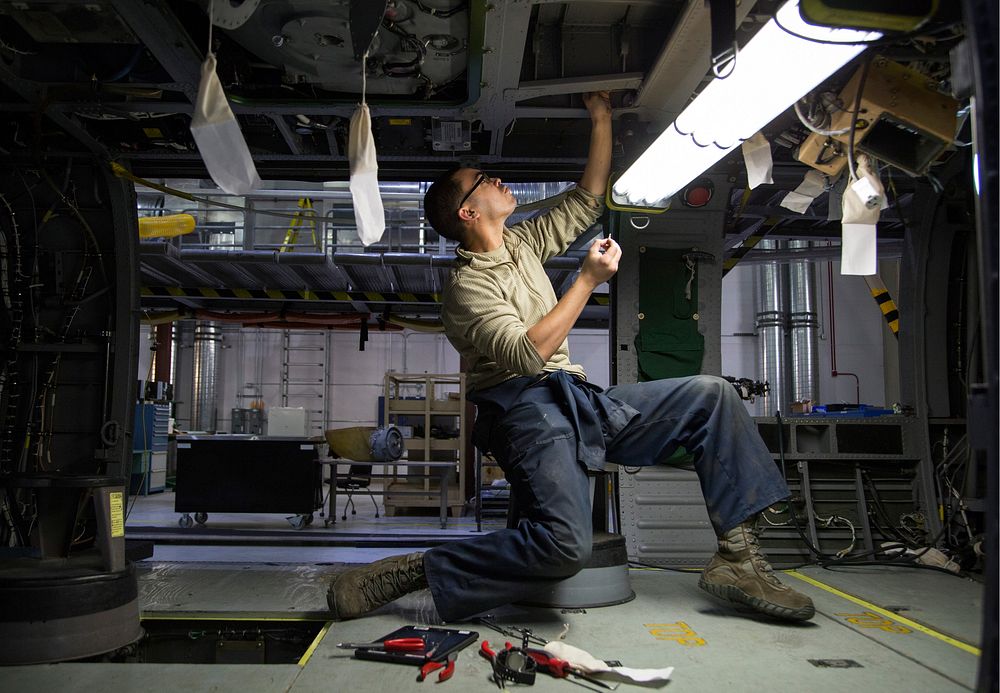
[[368, 211], [857, 249], [219, 138], [812, 186], [757, 155]]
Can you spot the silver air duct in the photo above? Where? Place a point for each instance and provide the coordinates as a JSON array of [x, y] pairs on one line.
[[803, 326], [207, 340], [770, 323]]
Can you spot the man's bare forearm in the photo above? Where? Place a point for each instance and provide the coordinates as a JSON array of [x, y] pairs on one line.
[[599, 266], [598, 168], [551, 331]]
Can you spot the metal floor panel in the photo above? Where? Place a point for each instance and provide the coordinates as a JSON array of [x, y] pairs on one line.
[[670, 623], [154, 678], [261, 589], [950, 605]]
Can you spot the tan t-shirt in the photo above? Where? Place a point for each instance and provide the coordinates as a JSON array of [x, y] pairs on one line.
[[492, 299]]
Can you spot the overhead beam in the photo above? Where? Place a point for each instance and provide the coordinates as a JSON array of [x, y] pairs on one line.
[[682, 65], [157, 27], [293, 141], [574, 85], [506, 31], [35, 96]]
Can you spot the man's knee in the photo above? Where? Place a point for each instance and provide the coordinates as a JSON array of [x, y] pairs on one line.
[[712, 387], [572, 551], [710, 383]]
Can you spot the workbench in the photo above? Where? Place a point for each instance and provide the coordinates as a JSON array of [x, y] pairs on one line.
[[444, 479]]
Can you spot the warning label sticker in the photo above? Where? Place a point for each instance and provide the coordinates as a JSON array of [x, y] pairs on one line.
[[117, 514]]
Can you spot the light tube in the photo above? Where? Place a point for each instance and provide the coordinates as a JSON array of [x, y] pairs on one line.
[[773, 71]]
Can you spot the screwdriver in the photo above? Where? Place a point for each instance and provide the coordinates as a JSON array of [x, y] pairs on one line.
[[396, 645]]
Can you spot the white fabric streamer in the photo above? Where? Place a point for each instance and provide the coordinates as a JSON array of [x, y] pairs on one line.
[[219, 138], [368, 210]]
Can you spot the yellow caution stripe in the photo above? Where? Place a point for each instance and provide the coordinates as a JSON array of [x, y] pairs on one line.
[[888, 308], [315, 643], [971, 649], [749, 243]]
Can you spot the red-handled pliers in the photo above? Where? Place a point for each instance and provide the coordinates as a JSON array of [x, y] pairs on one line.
[[430, 667], [486, 651]]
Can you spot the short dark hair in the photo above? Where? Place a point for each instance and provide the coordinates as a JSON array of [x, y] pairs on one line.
[[441, 205]]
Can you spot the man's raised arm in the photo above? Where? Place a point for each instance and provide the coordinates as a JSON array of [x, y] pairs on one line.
[[595, 175]]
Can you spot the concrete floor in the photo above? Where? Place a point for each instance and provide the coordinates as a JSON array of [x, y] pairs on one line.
[[887, 629]]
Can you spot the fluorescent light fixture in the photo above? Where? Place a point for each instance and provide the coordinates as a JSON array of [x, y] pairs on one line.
[[773, 71], [975, 171]]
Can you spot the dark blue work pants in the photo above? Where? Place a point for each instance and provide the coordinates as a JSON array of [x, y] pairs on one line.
[[535, 443]]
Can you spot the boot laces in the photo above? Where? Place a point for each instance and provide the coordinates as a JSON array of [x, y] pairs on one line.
[[757, 557], [385, 586]]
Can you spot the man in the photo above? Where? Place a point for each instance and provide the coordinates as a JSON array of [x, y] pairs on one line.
[[546, 425]]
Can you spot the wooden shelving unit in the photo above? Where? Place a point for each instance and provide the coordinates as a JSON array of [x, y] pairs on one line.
[[431, 404]]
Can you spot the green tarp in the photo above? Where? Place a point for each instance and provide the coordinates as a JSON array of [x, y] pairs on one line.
[[668, 344]]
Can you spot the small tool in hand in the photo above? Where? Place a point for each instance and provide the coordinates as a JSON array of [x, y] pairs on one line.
[[447, 668], [395, 645]]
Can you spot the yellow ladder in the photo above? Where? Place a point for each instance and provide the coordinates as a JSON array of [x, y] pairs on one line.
[[305, 216]]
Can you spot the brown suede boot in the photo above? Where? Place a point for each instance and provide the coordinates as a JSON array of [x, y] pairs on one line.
[[740, 573], [366, 588]]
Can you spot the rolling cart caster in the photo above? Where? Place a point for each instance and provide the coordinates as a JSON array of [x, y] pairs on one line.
[[185, 521], [201, 518]]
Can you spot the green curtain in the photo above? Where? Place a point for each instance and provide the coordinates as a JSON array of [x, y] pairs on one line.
[[668, 344]]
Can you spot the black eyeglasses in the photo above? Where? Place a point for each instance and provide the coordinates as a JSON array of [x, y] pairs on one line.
[[479, 181]]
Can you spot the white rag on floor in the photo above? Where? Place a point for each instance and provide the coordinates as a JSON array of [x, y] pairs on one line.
[[588, 664]]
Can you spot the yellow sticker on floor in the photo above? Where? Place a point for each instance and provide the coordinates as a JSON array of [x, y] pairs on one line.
[[679, 632], [117, 514]]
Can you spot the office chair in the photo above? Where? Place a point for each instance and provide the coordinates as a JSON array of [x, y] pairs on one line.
[[358, 478]]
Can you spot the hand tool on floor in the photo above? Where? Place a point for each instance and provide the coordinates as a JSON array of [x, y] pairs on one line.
[[486, 651], [560, 668], [447, 668], [394, 645], [510, 664]]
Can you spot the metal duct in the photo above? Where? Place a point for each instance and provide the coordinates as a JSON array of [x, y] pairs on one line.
[[803, 327], [770, 323], [207, 340]]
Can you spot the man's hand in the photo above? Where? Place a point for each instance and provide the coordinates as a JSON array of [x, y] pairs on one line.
[[599, 104], [601, 262]]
